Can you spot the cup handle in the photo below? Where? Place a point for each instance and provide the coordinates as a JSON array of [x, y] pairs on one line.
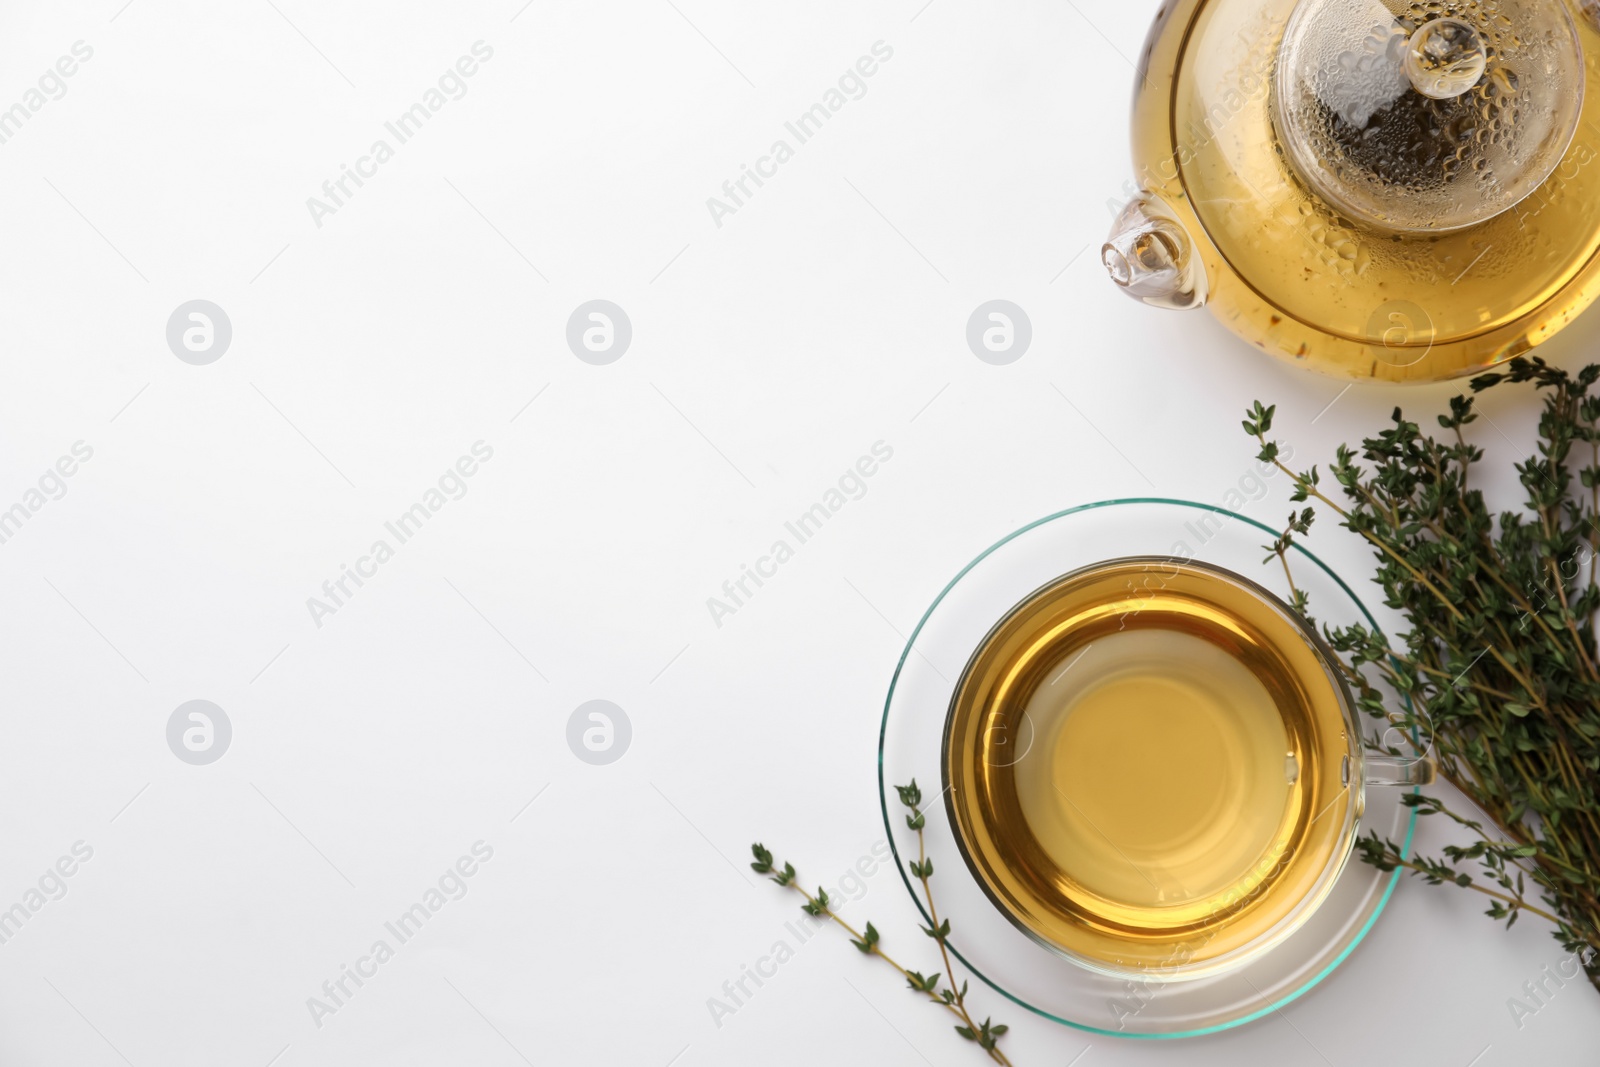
[[1393, 770]]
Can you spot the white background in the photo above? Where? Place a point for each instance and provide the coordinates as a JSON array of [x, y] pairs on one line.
[[826, 314]]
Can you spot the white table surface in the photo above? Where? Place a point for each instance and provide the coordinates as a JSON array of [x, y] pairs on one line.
[[826, 314]]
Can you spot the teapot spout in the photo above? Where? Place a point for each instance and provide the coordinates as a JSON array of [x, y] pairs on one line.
[[1151, 257]]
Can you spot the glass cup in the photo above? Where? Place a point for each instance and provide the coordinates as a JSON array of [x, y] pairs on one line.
[[1153, 766]]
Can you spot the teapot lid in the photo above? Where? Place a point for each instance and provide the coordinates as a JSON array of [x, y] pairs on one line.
[[1427, 116]]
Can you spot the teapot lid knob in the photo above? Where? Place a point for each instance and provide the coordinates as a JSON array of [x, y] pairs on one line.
[[1445, 58]]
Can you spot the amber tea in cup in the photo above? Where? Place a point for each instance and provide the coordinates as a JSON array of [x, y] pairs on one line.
[[1153, 765]]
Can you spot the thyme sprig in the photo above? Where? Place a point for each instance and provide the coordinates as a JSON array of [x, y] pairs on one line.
[[1498, 669], [936, 987]]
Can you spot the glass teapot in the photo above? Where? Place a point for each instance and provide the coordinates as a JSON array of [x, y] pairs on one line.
[[1375, 189]]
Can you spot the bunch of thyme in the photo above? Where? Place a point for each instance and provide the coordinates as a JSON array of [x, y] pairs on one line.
[[986, 1035], [1498, 671]]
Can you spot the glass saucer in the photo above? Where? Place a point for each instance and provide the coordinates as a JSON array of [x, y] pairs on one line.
[[984, 939]]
